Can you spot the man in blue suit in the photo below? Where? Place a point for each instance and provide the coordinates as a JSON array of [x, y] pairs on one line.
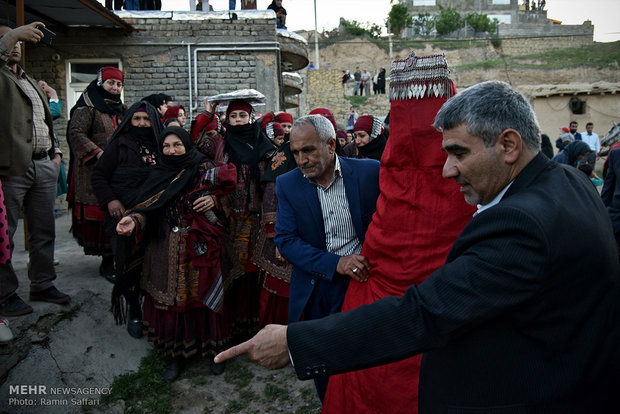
[[324, 209]]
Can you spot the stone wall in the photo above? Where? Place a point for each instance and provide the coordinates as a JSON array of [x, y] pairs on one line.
[[324, 90], [230, 55]]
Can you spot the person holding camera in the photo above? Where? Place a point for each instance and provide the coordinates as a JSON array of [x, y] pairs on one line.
[[29, 164]]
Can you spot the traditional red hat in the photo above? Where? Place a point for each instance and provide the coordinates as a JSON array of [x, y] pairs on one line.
[[269, 117], [341, 134], [284, 117], [327, 114], [109, 72], [363, 123], [278, 130], [238, 105], [173, 112], [565, 129]]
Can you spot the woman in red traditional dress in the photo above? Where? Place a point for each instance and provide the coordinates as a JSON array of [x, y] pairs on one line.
[[181, 220]]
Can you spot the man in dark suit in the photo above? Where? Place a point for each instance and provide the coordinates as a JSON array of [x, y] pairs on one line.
[[324, 209], [523, 317], [611, 192]]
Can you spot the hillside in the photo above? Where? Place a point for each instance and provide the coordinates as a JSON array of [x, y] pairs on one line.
[[473, 62]]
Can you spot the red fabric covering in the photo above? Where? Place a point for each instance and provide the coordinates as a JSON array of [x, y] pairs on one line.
[[419, 215]]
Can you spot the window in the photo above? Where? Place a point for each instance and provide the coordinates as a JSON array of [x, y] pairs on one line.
[[81, 72], [499, 1], [503, 18], [424, 2]]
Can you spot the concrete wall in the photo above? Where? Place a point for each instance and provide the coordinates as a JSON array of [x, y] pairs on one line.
[[553, 113], [230, 55]]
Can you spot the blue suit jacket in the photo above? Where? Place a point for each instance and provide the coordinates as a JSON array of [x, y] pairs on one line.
[[300, 233]]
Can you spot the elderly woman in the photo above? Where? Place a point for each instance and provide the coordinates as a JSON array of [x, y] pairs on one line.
[[94, 118], [370, 137], [122, 169], [181, 221]]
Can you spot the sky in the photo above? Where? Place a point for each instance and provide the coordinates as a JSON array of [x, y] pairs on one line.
[[604, 14]]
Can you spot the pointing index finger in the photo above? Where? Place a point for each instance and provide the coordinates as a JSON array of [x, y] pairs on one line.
[[233, 352]]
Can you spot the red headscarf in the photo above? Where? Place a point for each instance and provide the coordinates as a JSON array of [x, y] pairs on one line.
[[363, 123], [238, 105], [327, 114], [109, 72], [173, 112], [278, 130], [284, 117]]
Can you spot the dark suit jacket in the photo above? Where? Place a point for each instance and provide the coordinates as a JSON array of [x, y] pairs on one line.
[[611, 189], [523, 317], [300, 233]]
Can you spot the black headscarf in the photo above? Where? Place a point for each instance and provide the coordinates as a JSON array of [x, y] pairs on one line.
[[127, 178], [146, 138], [99, 98], [246, 144], [172, 174]]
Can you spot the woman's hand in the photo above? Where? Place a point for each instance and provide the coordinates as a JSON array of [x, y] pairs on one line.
[[203, 204], [116, 209], [126, 226], [209, 106]]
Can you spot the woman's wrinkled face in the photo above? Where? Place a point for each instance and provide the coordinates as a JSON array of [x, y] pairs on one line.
[[238, 118], [173, 145], [181, 117], [211, 134], [361, 138], [113, 86], [140, 119]]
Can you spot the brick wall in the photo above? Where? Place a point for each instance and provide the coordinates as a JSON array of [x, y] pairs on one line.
[[324, 90], [230, 55]]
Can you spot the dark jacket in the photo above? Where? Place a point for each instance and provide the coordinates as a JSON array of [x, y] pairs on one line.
[[16, 120], [524, 317], [122, 151]]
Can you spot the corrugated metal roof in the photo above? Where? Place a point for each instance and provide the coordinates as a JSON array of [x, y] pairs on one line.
[[65, 13]]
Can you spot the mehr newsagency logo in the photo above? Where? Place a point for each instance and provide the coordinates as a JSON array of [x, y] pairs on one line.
[[42, 395]]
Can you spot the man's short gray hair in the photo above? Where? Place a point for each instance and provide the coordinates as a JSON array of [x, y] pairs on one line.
[[488, 109], [322, 126]]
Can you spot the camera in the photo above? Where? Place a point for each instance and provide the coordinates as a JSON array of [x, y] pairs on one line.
[[48, 35]]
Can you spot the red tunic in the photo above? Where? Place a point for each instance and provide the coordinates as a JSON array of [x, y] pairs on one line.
[[419, 215]]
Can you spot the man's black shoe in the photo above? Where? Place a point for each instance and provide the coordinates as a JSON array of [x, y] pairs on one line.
[[14, 306], [51, 294]]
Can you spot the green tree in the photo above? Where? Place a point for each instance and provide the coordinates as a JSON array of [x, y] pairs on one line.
[[398, 19], [448, 21], [424, 24], [481, 23], [355, 28]]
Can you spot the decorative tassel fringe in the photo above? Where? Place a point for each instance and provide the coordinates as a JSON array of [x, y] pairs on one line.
[[419, 77]]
